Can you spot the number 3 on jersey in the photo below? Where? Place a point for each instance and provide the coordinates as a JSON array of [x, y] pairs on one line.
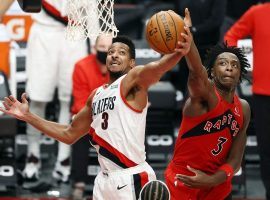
[[221, 142], [105, 117]]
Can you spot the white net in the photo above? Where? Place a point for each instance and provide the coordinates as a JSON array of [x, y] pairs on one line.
[[90, 18]]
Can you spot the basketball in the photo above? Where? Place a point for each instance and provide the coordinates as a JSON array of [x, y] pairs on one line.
[[163, 31]]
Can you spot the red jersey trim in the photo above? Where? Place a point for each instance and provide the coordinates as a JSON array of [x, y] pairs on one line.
[[139, 181], [207, 113], [52, 10], [144, 178], [102, 143], [125, 101]]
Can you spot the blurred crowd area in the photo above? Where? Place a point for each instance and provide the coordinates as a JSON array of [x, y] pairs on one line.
[[210, 23]]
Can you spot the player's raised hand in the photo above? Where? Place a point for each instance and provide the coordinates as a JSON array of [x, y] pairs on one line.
[[187, 18], [183, 47], [14, 107], [198, 180]]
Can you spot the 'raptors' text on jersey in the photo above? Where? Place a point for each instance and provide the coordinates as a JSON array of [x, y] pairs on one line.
[[117, 130], [205, 141]]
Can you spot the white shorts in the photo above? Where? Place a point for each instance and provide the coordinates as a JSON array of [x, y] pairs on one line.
[[50, 62], [123, 184]]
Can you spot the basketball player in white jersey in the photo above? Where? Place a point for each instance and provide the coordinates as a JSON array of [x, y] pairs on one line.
[[49, 64], [115, 117]]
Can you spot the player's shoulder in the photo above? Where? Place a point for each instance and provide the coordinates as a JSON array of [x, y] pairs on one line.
[[243, 102], [245, 106]]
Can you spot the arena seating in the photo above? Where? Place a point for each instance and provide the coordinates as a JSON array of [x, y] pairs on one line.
[[8, 177]]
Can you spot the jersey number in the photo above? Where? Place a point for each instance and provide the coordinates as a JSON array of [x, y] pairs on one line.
[[220, 144], [105, 117]]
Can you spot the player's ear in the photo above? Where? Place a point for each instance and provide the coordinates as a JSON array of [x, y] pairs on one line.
[[132, 63]]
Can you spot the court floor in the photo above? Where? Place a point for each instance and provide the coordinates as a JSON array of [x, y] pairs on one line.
[[47, 188]]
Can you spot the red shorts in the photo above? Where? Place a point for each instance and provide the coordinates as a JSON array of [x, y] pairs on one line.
[[179, 191]]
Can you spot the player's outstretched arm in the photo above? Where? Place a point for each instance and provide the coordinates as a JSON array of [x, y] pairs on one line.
[[146, 75], [64, 133], [198, 84]]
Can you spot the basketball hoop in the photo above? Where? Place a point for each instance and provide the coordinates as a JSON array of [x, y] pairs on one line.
[[90, 18]]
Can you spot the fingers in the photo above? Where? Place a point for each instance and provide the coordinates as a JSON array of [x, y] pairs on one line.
[[181, 176], [24, 98], [186, 180], [2, 109], [187, 19], [192, 169], [184, 46], [8, 101], [6, 105], [12, 98], [187, 13], [188, 35]]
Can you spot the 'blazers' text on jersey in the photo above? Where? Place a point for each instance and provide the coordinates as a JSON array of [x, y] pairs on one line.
[[117, 130]]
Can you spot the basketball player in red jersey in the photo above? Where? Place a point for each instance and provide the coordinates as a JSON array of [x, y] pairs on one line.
[[212, 135], [115, 117]]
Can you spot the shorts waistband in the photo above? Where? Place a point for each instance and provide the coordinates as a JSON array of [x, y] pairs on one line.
[[131, 170]]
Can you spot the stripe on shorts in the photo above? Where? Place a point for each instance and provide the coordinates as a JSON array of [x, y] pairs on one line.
[[139, 181]]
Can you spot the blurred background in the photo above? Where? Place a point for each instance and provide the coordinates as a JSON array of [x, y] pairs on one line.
[[166, 98]]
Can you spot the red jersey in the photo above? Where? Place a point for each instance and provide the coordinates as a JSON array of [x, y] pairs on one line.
[[86, 77], [253, 23], [205, 141]]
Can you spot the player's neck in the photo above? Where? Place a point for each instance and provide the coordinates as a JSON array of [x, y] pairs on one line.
[[226, 95]]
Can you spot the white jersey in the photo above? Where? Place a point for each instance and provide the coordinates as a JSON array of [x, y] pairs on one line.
[[117, 130], [58, 6]]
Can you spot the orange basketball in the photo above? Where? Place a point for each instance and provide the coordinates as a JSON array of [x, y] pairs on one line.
[[163, 31]]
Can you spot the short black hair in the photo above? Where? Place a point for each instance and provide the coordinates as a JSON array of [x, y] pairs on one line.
[[155, 190], [218, 49], [126, 40]]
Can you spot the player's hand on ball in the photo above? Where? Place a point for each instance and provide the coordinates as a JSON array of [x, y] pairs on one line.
[[184, 46]]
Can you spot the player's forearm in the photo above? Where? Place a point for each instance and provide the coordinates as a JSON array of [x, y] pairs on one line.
[[166, 63], [194, 60], [218, 178], [152, 72], [52, 129], [226, 171]]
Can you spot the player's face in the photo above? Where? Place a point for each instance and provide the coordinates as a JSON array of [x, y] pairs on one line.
[[118, 59], [226, 71]]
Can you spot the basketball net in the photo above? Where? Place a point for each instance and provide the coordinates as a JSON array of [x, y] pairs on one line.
[[90, 18]]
